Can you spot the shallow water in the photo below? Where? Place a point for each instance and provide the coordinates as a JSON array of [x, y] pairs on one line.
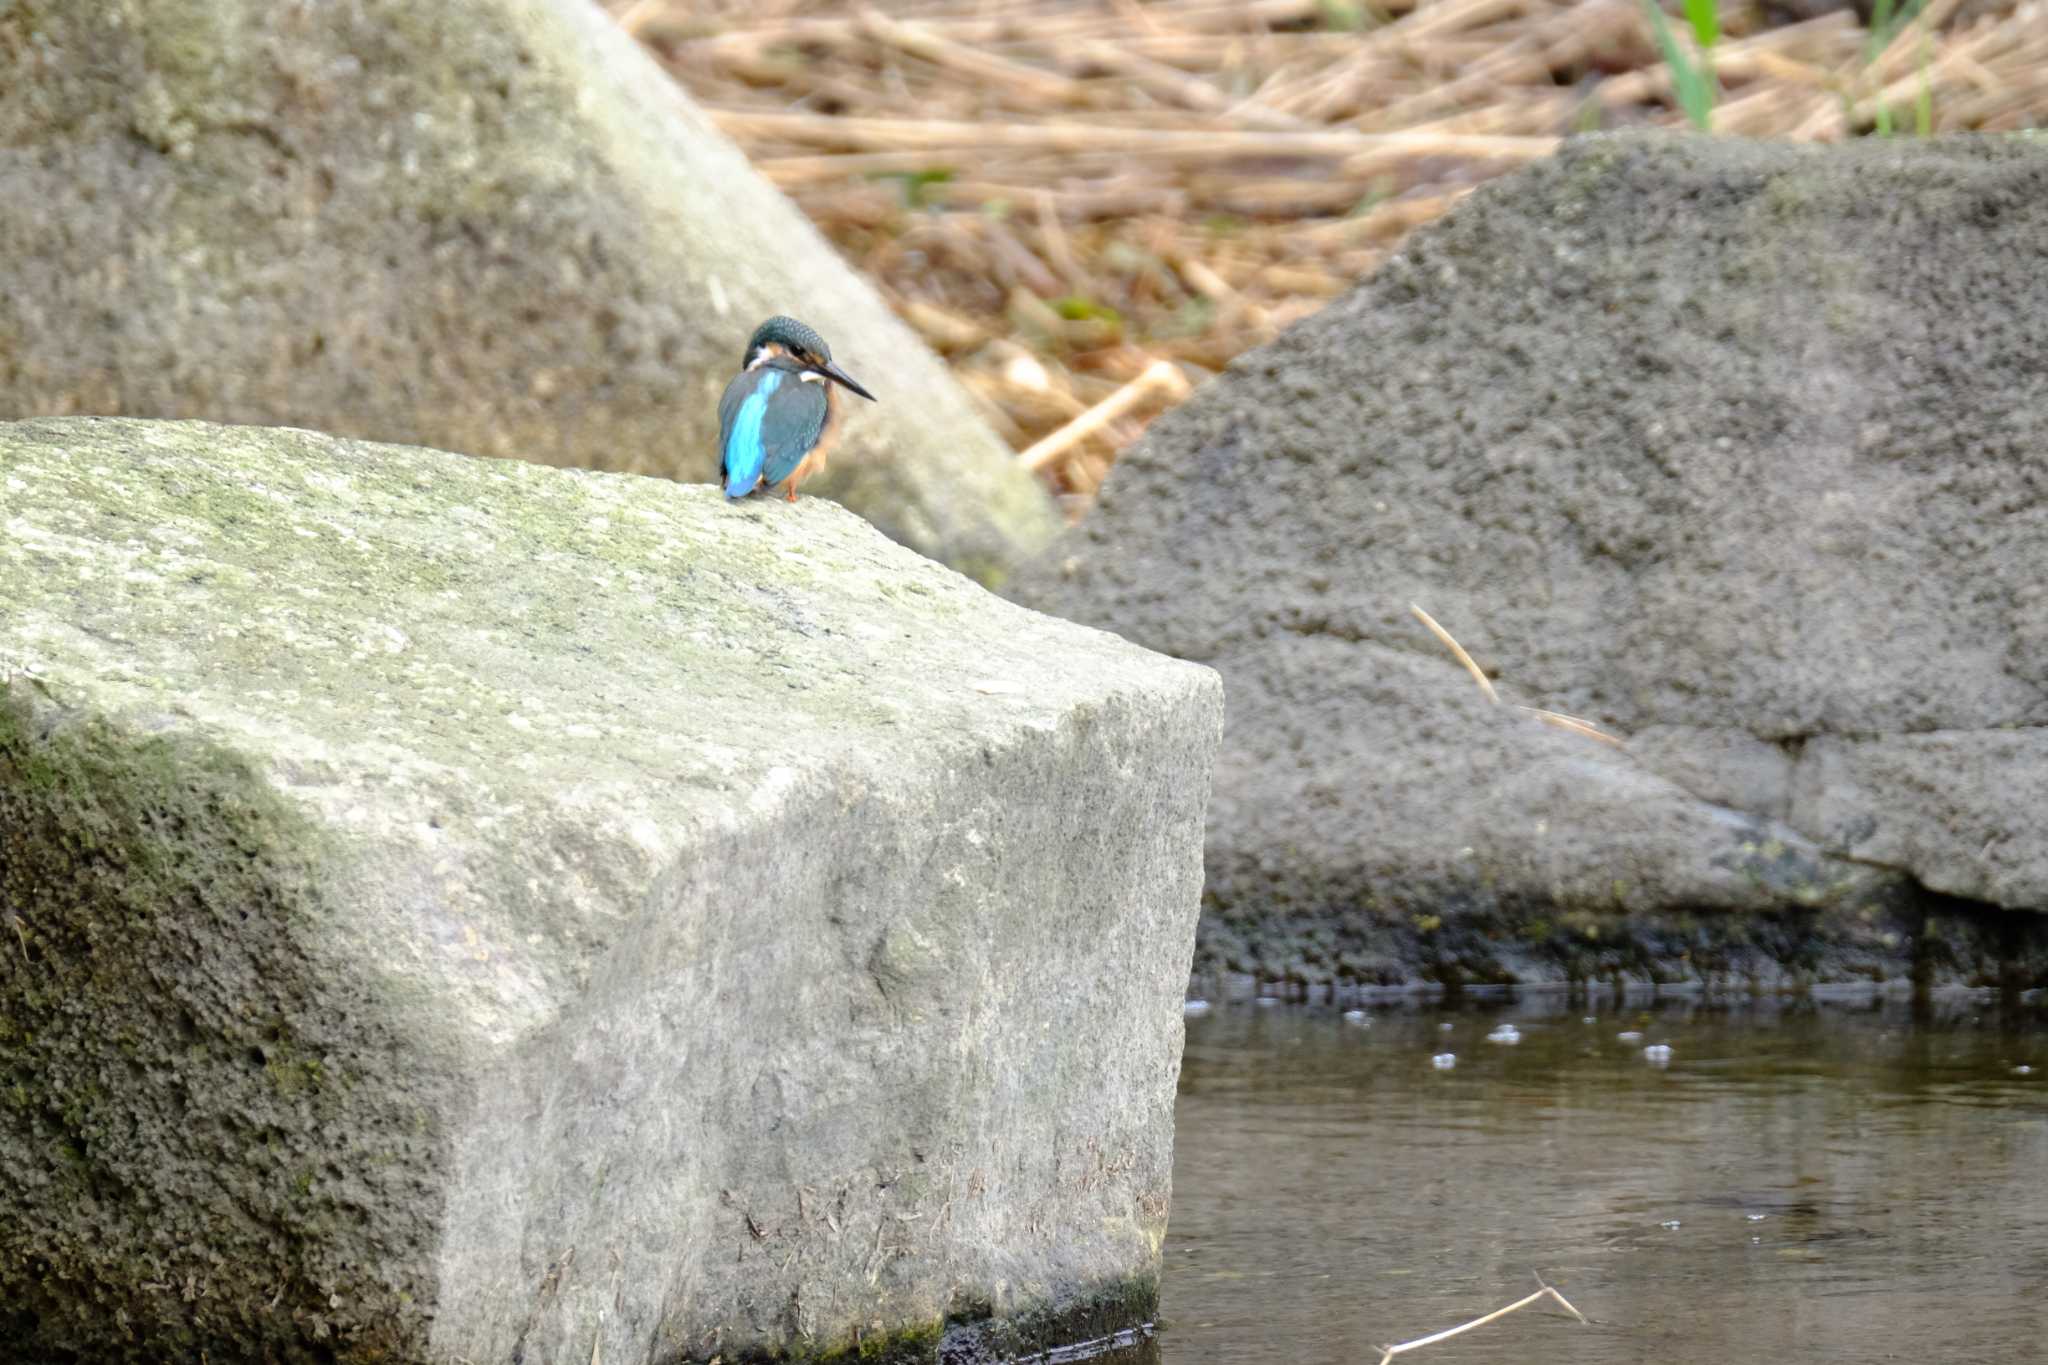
[[1801, 1181]]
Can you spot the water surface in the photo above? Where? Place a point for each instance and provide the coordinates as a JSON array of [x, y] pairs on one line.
[[1800, 1181]]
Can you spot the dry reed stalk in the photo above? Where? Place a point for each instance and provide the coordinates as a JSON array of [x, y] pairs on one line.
[[1392, 219], [1006, 24], [1959, 64], [1458, 651], [1159, 377], [1559, 40], [1027, 81], [1831, 39], [1168, 81], [1106, 183], [1304, 95], [1175, 145], [1573, 724], [1903, 50], [1752, 115], [1558, 719]]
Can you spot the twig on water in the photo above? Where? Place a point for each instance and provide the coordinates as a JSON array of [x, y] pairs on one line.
[[1546, 1292]]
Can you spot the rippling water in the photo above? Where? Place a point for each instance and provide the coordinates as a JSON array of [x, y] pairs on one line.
[[1798, 1181]]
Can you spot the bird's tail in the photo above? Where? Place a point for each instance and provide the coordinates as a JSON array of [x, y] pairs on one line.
[[744, 453]]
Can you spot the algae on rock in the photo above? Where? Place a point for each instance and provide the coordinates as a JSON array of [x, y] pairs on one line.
[[458, 909]]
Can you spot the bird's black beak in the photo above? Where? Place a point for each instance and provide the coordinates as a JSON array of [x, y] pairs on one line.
[[833, 372]]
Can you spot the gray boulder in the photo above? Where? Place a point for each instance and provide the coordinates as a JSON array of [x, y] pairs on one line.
[[493, 226], [1738, 450], [456, 910]]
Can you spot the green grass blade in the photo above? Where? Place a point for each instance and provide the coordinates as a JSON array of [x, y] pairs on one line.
[[1692, 80], [1705, 18], [1886, 19]]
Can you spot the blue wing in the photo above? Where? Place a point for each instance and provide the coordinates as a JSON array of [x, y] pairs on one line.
[[791, 426], [740, 414]]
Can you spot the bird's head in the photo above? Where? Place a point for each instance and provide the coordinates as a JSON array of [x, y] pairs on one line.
[[785, 336]]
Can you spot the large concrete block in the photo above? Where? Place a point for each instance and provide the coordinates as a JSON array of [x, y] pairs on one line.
[[463, 910], [493, 226]]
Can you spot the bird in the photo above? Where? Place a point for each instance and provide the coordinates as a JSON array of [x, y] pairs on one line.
[[780, 413]]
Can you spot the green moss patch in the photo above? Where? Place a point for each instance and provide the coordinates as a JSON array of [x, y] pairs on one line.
[[199, 1089]]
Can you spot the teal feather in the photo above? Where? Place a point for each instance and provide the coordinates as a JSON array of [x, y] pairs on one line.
[[740, 429]]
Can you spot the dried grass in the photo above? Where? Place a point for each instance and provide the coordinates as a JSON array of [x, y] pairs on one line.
[[1585, 729], [1388, 1353], [1059, 194]]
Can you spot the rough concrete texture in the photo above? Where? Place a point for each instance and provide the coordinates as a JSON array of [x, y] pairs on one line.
[[461, 910], [1739, 450], [493, 226]]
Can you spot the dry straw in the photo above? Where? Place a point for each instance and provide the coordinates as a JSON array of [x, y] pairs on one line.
[[1584, 728], [1099, 186], [1546, 1292]]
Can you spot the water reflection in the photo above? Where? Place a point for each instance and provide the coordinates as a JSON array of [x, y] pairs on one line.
[[1802, 1180]]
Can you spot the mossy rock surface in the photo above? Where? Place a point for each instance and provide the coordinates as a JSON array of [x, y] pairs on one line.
[[465, 910], [491, 226]]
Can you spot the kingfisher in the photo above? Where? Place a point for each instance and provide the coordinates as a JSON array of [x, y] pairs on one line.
[[779, 415]]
